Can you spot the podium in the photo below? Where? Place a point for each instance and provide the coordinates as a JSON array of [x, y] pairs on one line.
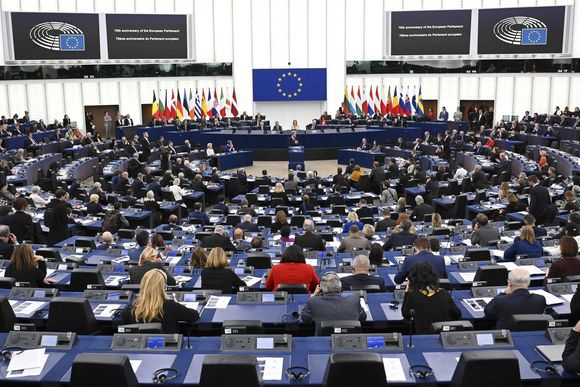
[[295, 157]]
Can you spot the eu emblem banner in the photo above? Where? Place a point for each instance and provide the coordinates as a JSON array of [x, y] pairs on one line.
[[289, 84]]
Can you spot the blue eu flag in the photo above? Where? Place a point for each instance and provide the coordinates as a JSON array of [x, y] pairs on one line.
[[289, 84], [534, 36], [69, 42]]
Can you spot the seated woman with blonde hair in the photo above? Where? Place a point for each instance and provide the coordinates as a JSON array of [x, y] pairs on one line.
[[149, 260], [153, 305]]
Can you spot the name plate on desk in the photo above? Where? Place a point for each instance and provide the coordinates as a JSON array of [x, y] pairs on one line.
[[262, 298], [477, 339], [387, 341], [33, 293], [29, 339], [144, 341], [243, 343]]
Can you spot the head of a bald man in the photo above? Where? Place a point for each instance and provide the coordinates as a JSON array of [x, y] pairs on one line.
[[519, 278]]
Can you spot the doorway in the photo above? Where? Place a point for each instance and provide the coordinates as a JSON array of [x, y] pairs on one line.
[[146, 113], [431, 104], [98, 112]]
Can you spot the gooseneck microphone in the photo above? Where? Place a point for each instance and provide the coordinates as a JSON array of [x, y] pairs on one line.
[[412, 318]]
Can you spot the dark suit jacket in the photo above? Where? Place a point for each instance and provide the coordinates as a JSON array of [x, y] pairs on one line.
[[437, 261], [21, 225], [385, 224], [521, 301], [479, 180], [539, 201], [309, 240], [420, 211], [332, 307], [217, 240], [364, 212], [136, 273], [248, 226], [222, 279], [399, 239], [363, 280]]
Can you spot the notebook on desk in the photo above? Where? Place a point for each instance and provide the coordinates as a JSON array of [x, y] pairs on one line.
[[551, 352]]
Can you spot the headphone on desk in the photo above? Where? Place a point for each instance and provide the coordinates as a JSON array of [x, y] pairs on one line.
[[543, 367], [420, 371], [6, 352], [297, 373], [295, 317], [163, 375]]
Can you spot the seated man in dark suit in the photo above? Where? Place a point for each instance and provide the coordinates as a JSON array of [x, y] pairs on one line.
[[401, 238], [172, 225], [479, 178], [108, 241], [386, 222], [199, 214], [422, 247], [363, 211], [503, 164], [327, 303], [221, 205], [218, 239], [310, 240], [137, 185], [421, 210], [515, 300], [306, 205], [121, 186], [247, 224], [361, 275], [529, 220]]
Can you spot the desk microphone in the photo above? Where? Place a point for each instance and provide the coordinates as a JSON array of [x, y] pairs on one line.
[[412, 316], [189, 335]]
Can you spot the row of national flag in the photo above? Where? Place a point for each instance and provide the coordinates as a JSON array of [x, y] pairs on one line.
[[194, 106], [374, 103]]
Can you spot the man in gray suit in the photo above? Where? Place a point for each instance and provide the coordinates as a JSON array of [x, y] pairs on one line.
[[483, 232], [353, 240], [327, 304]]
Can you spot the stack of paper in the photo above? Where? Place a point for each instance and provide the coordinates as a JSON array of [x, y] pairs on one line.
[[115, 280], [394, 369], [508, 265], [467, 276], [218, 302], [250, 280], [190, 304], [27, 363], [27, 308], [182, 279], [106, 310], [550, 298], [533, 270], [271, 367]]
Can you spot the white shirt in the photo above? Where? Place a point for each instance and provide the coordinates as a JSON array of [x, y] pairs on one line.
[[460, 174], [38, 201], [177, 192], [209, 152]]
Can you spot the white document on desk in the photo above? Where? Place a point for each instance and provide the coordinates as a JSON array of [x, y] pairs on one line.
[[467, 276], [550, 298], [533, 270], [106, 310], [115, 280], [509, 265], [271, 367], [466, 242], [567, 297], [251, 280], [27, 363], [394, 369], [27, 308], [135, 364], [218, 302], [507, 239], [182, 279], [190, 304], [312, 261]]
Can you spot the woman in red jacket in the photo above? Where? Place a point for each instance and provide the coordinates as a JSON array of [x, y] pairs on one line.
[[292, 269]]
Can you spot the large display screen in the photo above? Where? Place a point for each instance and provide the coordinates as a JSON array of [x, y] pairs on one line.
[[430, 32], [521, 30], [55, 36], [147, 36]]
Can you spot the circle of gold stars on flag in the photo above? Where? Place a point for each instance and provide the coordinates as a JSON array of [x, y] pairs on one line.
[[289, 85]]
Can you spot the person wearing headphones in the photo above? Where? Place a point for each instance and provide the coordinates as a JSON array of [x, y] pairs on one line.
[[328, 304], [153, 305]]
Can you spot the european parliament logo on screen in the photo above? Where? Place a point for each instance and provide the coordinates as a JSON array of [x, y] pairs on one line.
[[521, 31], [289, 84], [58, 36]]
